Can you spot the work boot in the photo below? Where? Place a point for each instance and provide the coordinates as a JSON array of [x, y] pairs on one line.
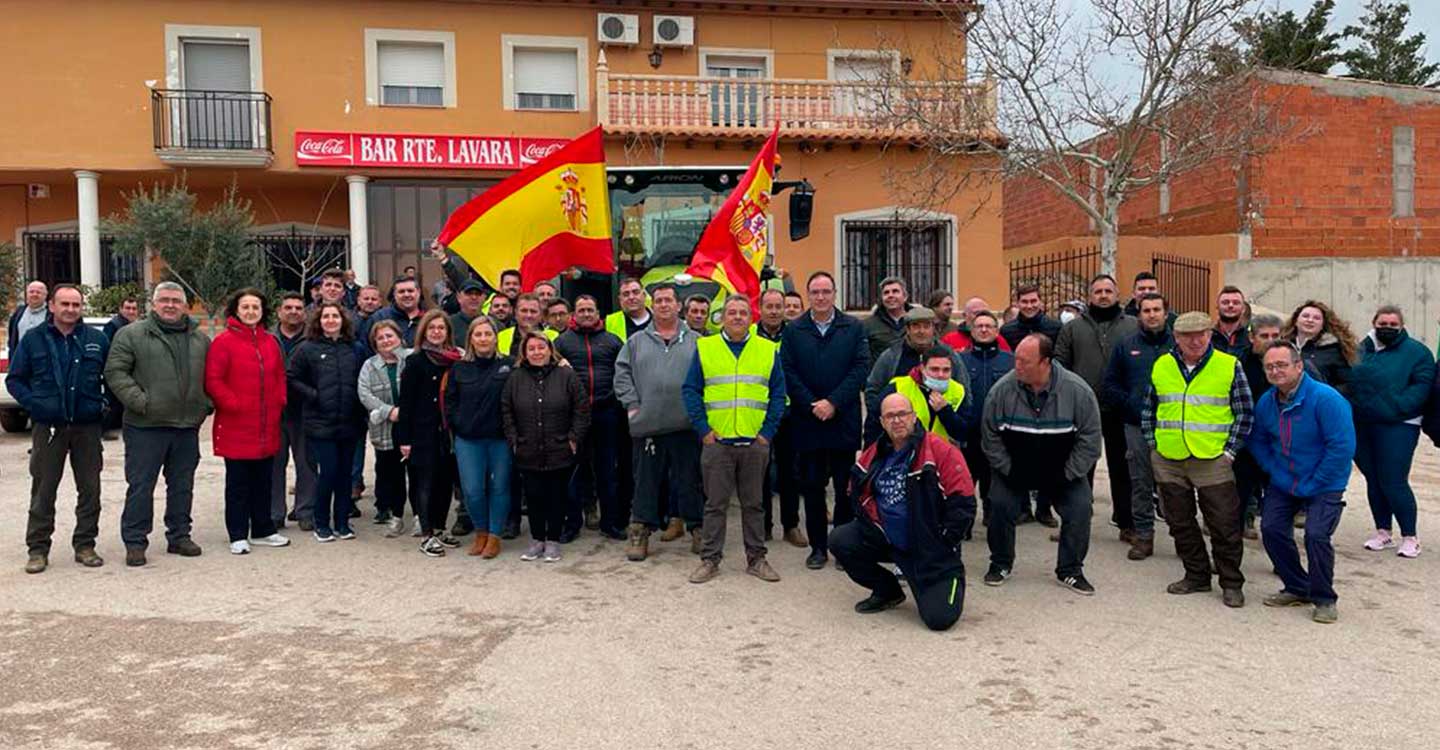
[[88, 558], [674, 531], [1187, 586], [592, 519], [1233, 598], [185, 548], [1284, 598], [37, 563], [135, 556], [760, 568], [1128, 536], [706, 572], [796, 538], [492, 547], [1141, 549], [695, 544], [477, 547], [637, 545]]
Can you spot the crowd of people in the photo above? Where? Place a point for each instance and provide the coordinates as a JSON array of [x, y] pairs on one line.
[[918, 420]]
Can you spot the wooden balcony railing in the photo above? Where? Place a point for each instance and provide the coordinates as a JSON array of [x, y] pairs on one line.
[[743, 107]]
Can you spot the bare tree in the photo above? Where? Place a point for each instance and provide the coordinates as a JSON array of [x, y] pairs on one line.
[[1067, 114]]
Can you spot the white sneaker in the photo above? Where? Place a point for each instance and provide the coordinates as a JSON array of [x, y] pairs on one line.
[[241, 547], [394, 527], [274, 540], [415, 530]]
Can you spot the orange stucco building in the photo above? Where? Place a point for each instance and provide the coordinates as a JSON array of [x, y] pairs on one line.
[[273, 96]]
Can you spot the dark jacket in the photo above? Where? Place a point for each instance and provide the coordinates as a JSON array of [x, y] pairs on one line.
[[830, 367], [986, 365], [1236, 346], [1016, 330], [472, 398], [1391, 385], [159, 374], [1085, 344], [1038, 440], [592, 352], [325, 377], [1431, 421], [288, 345], [1127, 378], [1307, 444], [421, 425], [941, 495], [15, 320], [544, 410], [1324, 355], [245, 377], [114, 325], [882, 331], [1132, 308], [953, 420], [59, 379], [899, 360], [389, 312]]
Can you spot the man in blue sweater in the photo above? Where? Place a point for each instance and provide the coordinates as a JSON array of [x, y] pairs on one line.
[[1304, 438]]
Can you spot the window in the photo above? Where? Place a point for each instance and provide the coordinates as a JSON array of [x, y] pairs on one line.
[[214, 73], [917, 251], [545, 72], [405, 216], [1403, 171], [409, 68], [859, 72], [738, 104], [412, 74], [54, 258]]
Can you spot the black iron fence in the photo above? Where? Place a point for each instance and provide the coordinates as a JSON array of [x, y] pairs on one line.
[[1185, 282], [294, 255], [211, 120], [54, 258], [1060, 277]]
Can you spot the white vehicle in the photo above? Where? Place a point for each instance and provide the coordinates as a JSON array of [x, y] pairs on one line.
[[12, 417]]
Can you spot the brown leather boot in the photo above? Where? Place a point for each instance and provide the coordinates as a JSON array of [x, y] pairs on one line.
[[674, 531], [492, 547], [477, 548], [637, 545], [1141, 548]]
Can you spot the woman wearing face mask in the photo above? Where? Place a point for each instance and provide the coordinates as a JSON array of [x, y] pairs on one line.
[[1388, 391], [546, 415], [245, 378], [324, 372], [1326, 343], [421, 432], [380, 392], [472, 407]]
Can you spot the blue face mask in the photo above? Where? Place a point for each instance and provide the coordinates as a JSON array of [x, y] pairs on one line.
[[937, 385]]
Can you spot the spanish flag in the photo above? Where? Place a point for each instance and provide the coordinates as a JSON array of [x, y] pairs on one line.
[[732, 250], [547, 217]]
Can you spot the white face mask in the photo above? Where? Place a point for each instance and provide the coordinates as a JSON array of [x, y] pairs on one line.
[[1066, 316], [936, 384]]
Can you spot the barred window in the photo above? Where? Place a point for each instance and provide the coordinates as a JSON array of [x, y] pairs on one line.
[[919, 252]]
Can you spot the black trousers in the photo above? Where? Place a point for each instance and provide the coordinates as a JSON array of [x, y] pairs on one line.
[[816, 470], [432, 483], [390, 483], [780, 477], [1112, 429], [668, 461], [549, 493], [50, 445], [861, 547], [247, 498], [595, 478], [1072, 500], [979, 466], [148, 452]]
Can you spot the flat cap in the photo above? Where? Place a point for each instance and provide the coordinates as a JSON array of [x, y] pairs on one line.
[[1193, 322], [917, 314]]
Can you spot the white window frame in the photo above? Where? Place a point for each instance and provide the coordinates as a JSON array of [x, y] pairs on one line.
[[177, 34], [889, 213], [373, 38], [581, 46], [834, 56], [706, 53]]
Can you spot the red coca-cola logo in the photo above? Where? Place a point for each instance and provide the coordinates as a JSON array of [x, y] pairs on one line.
[[533, 151], [322, 148]]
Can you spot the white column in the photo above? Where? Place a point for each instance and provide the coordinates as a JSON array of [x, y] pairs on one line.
[[87, 190], [359, 229]]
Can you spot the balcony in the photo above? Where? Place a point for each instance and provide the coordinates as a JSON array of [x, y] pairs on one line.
[[821, 110], [212, 128]]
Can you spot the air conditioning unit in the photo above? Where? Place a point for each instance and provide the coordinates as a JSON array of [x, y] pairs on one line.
[[674, 31], [617, 28]]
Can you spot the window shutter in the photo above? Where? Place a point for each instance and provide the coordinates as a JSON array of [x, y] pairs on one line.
[[411, 64], [546, 71], [216, 66]]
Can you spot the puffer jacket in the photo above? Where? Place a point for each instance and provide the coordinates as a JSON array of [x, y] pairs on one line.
[[245, 377], [159, 374], [592, 352], [544, 410], [325, 375], [422, 423], [378, 398], [1085, 344], [1324, 356], [472, 397], [1390, 385]]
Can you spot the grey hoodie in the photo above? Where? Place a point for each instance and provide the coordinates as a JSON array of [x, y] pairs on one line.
[[1036, 441], [649, 377]]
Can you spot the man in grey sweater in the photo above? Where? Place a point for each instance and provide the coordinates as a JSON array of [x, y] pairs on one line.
[[649, 377]]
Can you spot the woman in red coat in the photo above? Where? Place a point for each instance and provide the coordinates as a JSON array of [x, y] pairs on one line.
[[245, 377]]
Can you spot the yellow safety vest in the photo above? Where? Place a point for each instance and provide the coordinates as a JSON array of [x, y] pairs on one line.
[[617, 323], [737, 389], [954, 396], [1192, 420], [506, 338]]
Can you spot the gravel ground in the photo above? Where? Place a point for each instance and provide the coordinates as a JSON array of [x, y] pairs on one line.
[[368, 644]]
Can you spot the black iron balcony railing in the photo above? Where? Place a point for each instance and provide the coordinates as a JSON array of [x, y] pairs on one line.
[[211, 121]]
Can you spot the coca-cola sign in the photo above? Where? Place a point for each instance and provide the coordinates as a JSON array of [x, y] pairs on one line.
[[321, 149]]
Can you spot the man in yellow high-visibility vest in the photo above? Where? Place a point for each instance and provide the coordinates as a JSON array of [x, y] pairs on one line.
[[1196, 417], [935, 397], [735, 397]]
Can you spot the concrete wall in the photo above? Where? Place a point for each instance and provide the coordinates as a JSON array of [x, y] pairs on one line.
[[1354, 287]]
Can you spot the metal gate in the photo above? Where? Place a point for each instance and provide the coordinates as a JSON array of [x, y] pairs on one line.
[[1185, 282], [1060, 277]]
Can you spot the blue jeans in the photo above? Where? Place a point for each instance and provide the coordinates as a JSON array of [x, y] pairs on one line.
[[1322, 515], [332, 489], [1383, 453], [485, 481]]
